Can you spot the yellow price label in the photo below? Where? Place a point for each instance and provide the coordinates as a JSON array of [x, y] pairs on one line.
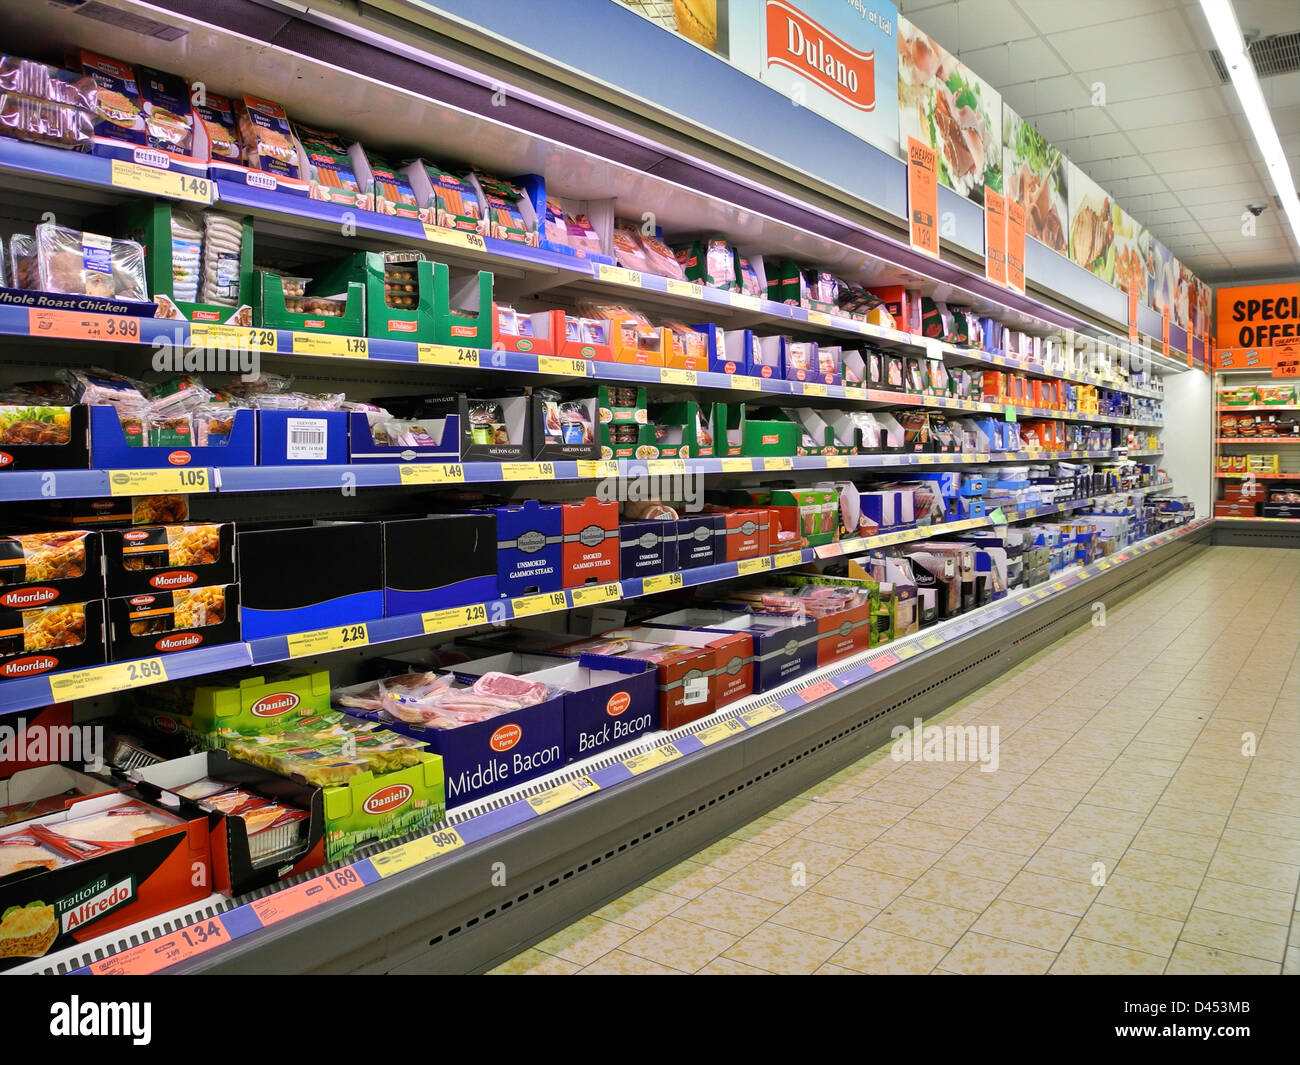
[[211, 333], [745, 382], [322, 641], [602, 468], [1025, 600], [931, 642], [417, 852], [835, 462], [818, 318], [455, 238], [326, 344], [760, 714], [159, 482], [747, 566], [446, 355], [640, 763], [734, 465], [787, 558], [157, 182], [1042, 593], [527, 471], [101, 680], [672, 376], [720, 731], [1103, 564], [617, 275], [561, 366], [927, 460], [455, 617], [814, 388], [538, 604], [662, 466], [660, 582], [745, 301], [856, 392], [563, 794], [431, 473], [596, 594], [685, 288], [781, 462]]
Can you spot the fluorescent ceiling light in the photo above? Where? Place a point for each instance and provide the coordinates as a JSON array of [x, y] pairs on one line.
[[1232, 47]]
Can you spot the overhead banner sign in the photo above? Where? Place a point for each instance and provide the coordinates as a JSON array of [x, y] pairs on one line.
[[1256, 315]]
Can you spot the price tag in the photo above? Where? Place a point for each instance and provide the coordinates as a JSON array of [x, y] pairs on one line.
[[818, 318], [1103, 564], [782, 462], [616, 275], [603, 468], [539, 604], [747, 566], [596, 594], [100, 680], [417, 852], [744, 301], [835, 462], [335, 638], [734, 465], [157, 182], [720, 731], [787, 558], [158, 954], [446, 355], [760, 714], [325, 344], [665, 466], [814, 388], [527, 471], [455, 617], [159, 482], [431, 473], [237, 336], [908, 650], [563, 794], [291, 901], [563, 367], [641, 763], [685, 288], [660, 582], [670, 376], [927, 460], [69, 325], [934, 349], [1025, 600], [455, 238], [855, 392], [1042, 593], [745, 382], [819, 690]]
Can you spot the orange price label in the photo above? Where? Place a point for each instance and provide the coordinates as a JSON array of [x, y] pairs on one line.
[[995, 237], [1133, 310], [923, 197], [305, 896], [817, 691], [158, 954], [1164, 332], [1016, 245], [70, 325]]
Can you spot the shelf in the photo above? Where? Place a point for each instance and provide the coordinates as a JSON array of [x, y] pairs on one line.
[[647, 766], [1283, 521], [1259, 476], [1271, 406], [1144, 453], [29, 692], [1256, 440]]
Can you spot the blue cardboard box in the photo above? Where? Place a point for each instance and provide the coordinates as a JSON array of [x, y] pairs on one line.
[[784, 647], [302, 437], [530, 542], [110, 450], [699, 540], [647, 547], [440, 561]]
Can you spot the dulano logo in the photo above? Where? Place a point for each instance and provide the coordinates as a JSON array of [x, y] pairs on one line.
[[796, 42]]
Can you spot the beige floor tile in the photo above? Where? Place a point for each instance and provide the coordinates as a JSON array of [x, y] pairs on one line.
[[1256, 845], [679, 944], [766, 880], [922, 836], [1192, 959], [640, 908], [873, 812], [687, 880], [1092, 816], [895, 859], [1079, 867], [1291, 962], [785, 951], [1051, 893], [1235, 934], [723, 966], [1287, 826], [922, 919], [949, 814], [1027, 815], [884, 953], [981, 862], [980, 955], [798, 811], [727, 911], [766, 832], [621, 963], [816, 859], [866, 887], [1030, 925], [955, 889], [1052, 798], [1243, 869], [1202, 824], [1014, 839], [729, 854], [1146, 896], [1092, 957], [586, 940], [534, 962], [1130, 928], [1077, 837], [1246, 900], [825, 916], [840, 831], [1179, 844]]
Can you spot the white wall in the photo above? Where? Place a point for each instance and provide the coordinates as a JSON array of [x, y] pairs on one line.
[[1189, 445]]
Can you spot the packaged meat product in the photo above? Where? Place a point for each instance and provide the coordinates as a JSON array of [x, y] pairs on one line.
[[114, 96], [23, 262], [44, 104], [88, 264], [95, 385], [223, 247], [503, 212], [628, 251], [390, 189], [660, 257], [218, 118], [45, 628], [111, 829], [187, 254], [30, 558], [35, 425], [168, 118], [327, 165], [229, 800], [266, 137], [201, 788], [505, 687], [570, 229], [272, 827]]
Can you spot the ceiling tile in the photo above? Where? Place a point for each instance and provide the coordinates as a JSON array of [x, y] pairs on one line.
[[1208, 177], [1202, 133], [1177, 106], [1242, 193], [1102, 146], [1066, 124], [1125, 40], [1142, 81], [1051, 16], [1018, 61], [1122, 188], [972, 24]]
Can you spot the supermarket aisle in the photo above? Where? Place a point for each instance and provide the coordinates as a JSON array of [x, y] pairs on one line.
[[1120, 756]]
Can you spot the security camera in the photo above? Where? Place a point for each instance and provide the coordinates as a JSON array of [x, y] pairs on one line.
[[1256, 209]]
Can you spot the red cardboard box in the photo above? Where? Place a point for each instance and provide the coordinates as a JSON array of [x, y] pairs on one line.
[[746, 532], [731, 673], [591, 552], [683, 675]]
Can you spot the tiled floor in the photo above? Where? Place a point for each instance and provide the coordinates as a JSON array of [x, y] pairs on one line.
[[1124, 830]]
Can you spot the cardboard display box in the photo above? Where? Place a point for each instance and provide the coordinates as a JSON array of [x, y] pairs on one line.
[[162, 622], [149, 558], [439, 561], [38, 569]]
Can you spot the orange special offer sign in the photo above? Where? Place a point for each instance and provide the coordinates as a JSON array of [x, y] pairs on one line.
[[923, 197], [1016, 245], [1256, 316], [995, 237]]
